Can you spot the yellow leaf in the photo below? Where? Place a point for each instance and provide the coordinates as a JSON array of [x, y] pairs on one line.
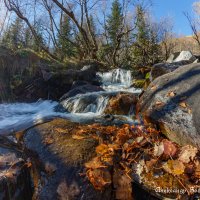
[[174, 167]]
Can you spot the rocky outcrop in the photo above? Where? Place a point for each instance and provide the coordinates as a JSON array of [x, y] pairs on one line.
[[15, 181], [172, 101], [175, 61], [63, 156], [179, 56], [122, 104]]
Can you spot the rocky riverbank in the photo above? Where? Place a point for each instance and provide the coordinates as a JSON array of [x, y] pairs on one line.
[[102, 141]]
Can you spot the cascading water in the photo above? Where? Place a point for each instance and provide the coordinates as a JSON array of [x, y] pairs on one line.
[[80, 108], [92, 103], [117, 80]]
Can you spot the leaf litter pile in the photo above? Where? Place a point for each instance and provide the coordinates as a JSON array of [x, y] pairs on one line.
[[143, 155]]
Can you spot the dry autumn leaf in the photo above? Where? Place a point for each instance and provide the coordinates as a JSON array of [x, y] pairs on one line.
[[169, 148], [171, 94], [187, 153], [95, 163], [154, 87], [158, 103], [174, 167], [183, 104], [158, 149], [99, 178], [48, 141]]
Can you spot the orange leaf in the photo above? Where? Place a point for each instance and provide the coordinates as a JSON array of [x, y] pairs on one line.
[[183, 104], [174, 167], [154, 87], [171, 94]]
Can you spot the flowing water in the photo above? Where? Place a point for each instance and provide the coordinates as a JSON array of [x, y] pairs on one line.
[[80, 108]]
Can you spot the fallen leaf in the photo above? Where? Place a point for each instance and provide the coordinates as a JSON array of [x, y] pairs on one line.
[[189, 110], [197, 172], [171, 94], [99, 178], [159, 103], [183, 104], [187, 153], [169, 148], [60, 130], [174, 167], [158, 149], [154, 87], [48, 141], [78, 137], [102, 149], [95, 163]]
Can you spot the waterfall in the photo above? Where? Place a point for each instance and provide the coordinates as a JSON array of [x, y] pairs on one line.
[[79, 108], [116, 76], [94, 102], [117, 80]]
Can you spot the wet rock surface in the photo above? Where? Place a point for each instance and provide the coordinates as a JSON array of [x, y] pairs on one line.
[[63, 158], [15, 180], [121, 104], [172, 101]]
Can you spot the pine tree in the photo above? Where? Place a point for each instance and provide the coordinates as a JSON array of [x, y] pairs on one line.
[[145, 48], [114, 22], [13, 36], [65, 47]]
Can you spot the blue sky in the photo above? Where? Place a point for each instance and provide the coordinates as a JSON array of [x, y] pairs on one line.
[[174, 9]]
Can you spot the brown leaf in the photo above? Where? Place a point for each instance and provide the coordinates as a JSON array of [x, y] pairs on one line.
[[169, 148], [154, 87], [189, 110], [95, 163], [174, 167], [48, 141], [171, 94], [159, 103], [99, 178], [78, 137], [102, 149], [187, 153], [183, 104], [60, 130]]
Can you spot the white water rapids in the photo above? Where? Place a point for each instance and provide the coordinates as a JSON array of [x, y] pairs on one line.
[[82, 106]]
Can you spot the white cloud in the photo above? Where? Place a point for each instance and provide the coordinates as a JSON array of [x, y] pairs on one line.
[[196, 7]]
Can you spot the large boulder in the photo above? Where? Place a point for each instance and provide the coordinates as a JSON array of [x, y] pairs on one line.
[[175, 61], [63, 156], [121, 104], [163, 68], [15, 178], [172, 101]]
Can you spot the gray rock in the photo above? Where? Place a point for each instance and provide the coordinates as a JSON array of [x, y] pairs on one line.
[[185, 55], [175, 61], [164, 68], [65, 158], [179, 122]]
